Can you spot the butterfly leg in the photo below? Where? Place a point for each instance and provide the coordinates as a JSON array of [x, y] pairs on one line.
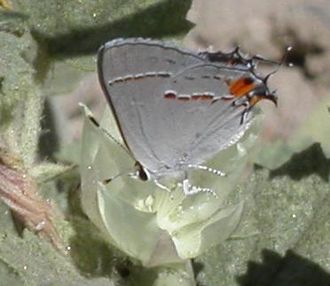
[[244, 101], [245, 114], [160, 185], [95, 122]]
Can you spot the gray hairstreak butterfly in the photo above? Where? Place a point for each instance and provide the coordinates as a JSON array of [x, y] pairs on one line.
[[177, 108]]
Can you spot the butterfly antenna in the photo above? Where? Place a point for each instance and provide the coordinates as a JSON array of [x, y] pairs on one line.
[[97, 124], [280, 64]]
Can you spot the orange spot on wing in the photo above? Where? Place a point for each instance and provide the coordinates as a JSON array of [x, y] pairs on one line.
[[241, 86]]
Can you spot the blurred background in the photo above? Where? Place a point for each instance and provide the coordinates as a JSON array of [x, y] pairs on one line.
[[47, 66]]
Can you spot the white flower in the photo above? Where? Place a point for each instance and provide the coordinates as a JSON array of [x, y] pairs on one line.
[[146, 222]]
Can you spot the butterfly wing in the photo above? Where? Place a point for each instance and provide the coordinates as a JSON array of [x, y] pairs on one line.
[[169, 102], [199, 119], [131, 73]]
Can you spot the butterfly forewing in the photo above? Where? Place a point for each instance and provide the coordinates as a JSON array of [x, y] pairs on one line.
[[131, 73]]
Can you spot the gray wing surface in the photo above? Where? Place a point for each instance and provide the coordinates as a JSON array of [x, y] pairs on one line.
[[132, 73]]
